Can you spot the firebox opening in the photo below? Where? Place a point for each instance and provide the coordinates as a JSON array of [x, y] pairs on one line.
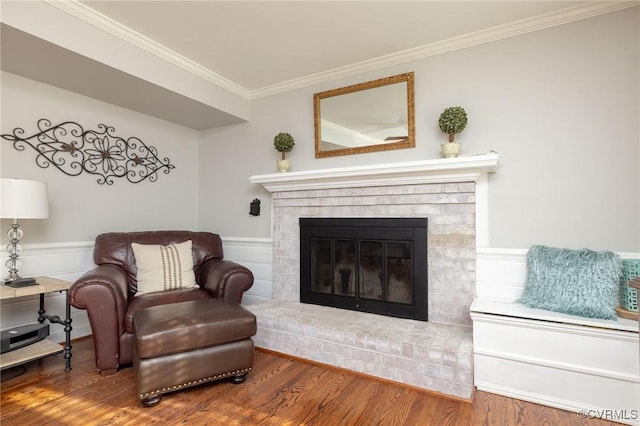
[[376, 265]]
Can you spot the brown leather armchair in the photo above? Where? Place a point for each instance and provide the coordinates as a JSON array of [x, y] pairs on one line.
[[108, 292]]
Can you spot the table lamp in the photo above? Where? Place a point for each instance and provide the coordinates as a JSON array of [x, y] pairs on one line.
[[20, 199]]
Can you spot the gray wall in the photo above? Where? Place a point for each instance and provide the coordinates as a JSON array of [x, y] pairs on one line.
[[561, 105], [80, 208]]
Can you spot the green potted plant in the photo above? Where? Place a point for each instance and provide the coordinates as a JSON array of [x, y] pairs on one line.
[[452, 121], [283, 142]]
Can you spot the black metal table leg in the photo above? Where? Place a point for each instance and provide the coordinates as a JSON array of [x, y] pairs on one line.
[[41, 311], [67, 330], [55, 319]]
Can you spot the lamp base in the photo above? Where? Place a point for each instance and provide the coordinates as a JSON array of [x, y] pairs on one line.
[[20, 282]]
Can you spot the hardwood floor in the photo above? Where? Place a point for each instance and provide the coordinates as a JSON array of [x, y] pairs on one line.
[[280, 391]]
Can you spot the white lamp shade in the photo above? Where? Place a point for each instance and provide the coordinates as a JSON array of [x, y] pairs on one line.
[[23, 199]]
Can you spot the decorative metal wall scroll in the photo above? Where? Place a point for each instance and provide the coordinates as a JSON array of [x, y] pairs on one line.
[[74, 150]]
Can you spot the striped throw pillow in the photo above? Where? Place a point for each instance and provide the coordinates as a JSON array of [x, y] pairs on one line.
[[163, 268]]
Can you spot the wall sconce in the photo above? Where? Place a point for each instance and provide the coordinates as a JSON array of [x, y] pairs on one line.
[[20, 199], [254, 208]]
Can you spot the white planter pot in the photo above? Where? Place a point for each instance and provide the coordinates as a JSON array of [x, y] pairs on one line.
[[283, 165], [450, 149]]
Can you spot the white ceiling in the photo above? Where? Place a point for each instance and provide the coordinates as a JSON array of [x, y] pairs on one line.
[[257, 44], [251, 49]]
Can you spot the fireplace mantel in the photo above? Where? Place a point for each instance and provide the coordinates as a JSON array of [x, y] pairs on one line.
[[459, 169]]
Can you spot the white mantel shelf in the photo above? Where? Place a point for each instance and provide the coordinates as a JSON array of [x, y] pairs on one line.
[[459, 169]]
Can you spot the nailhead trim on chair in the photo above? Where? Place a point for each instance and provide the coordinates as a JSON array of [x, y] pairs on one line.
[[195, 382]]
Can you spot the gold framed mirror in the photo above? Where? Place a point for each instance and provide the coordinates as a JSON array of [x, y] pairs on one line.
[[374, 116]]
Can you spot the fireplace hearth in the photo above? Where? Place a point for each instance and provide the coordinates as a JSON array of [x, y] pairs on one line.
[[375, 265]]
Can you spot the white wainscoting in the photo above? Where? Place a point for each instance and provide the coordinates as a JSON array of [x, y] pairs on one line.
[[257, 255], [501, 273], [68, 261]]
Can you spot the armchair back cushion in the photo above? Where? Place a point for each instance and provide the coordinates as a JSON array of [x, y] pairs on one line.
[[164, 267], [115, 248]]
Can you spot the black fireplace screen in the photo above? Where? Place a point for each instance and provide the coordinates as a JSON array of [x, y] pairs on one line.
[[376, 265]]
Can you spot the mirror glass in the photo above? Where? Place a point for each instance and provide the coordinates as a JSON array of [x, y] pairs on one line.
[[366, 117]]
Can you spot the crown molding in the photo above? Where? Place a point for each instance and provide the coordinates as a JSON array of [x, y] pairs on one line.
[[513, 29], [98, 20], [489, 35]]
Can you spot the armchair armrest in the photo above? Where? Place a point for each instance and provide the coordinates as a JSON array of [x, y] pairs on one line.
[[103, 292], [224, 279]]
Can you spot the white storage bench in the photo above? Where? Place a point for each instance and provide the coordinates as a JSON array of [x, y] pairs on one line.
[[564, 361], [556, 359]]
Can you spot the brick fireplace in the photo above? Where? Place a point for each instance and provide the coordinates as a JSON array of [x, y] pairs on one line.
[[436, 355]]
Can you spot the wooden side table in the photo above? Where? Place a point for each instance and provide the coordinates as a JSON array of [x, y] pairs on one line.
[[44, 347]]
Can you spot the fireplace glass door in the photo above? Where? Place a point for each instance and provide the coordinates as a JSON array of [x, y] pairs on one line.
[[365, 264]]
